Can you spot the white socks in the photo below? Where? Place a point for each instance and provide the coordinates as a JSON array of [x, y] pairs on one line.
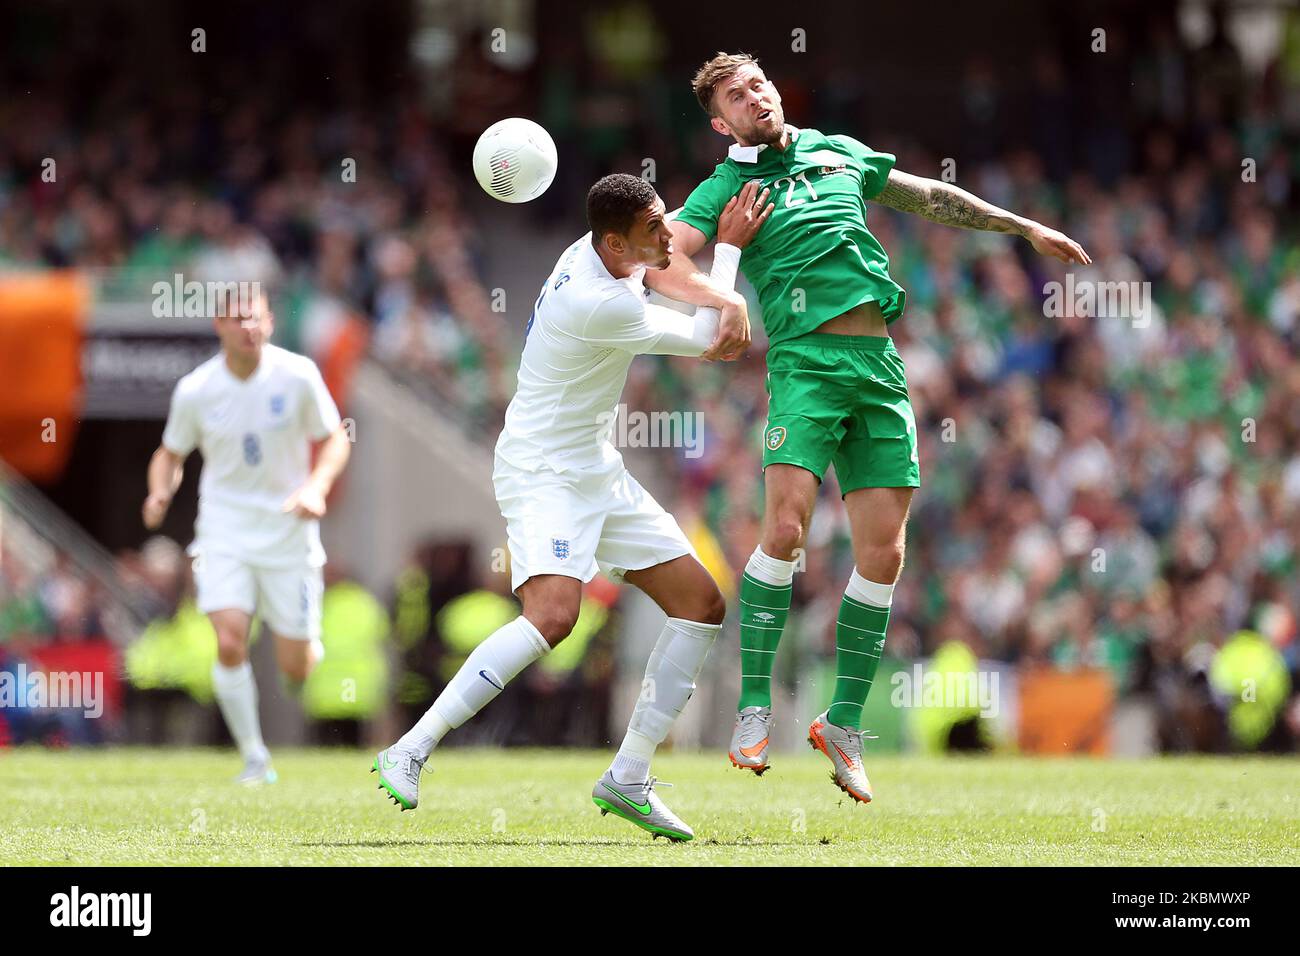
[[769, 570], [869, 592], [670, 674], [485, 673], [674, 664], [236, 693]]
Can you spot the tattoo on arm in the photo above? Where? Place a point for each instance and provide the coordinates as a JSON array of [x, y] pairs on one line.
[[945, 203]]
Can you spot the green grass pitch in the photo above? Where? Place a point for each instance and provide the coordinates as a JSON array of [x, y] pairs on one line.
[[503, 807]]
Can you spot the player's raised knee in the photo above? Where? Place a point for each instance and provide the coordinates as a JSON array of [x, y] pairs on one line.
[[881, 562], [712, 608], [784, 537], [554, 622]]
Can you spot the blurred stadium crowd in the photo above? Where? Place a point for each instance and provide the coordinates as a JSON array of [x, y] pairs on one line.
[[1114, 492]]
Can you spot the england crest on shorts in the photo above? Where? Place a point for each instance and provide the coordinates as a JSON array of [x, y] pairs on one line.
[[560, 546]]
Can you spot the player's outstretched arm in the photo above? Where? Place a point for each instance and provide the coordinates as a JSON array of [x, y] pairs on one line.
[[166, 469], [740, 220], [948, 204], [626, 321], [309, 500], [683, 280]]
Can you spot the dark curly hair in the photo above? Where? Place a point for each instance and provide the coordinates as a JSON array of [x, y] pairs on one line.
[[615, 201]]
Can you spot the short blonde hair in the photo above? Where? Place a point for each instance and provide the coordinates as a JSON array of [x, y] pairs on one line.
[[717, 69]]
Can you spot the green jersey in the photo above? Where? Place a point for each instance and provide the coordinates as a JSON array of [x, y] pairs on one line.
[[815, 258]]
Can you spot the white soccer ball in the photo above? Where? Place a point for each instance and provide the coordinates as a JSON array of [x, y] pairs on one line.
[[515, 160]]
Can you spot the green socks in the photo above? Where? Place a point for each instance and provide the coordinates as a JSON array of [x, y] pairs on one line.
[[859, 642], [765, 590]]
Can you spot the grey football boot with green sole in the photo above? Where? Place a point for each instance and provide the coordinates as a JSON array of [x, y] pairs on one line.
[[639, 804], [399, 774]]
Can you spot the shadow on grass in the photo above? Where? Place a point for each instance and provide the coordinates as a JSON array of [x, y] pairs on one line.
[[541, 843]]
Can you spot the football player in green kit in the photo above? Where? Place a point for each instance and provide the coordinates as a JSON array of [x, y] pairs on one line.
[[836, 385]]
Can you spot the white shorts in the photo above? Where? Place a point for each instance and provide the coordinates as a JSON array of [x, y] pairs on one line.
[[557, 524], [288, 600]]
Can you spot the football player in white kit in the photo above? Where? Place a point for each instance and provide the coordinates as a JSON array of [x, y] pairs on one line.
[[570, 505], [254, 411]]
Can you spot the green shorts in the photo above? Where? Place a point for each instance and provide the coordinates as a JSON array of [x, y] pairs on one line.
[[842, 400]]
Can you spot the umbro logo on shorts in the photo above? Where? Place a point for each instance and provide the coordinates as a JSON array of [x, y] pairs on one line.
[[775, 437], [560, 546]]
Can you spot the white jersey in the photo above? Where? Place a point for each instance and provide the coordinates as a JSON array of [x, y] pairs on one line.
[[585, 329], [255, 437]]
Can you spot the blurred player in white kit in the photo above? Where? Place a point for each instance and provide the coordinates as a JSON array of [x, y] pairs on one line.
[[254, 410], [570, 505]]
